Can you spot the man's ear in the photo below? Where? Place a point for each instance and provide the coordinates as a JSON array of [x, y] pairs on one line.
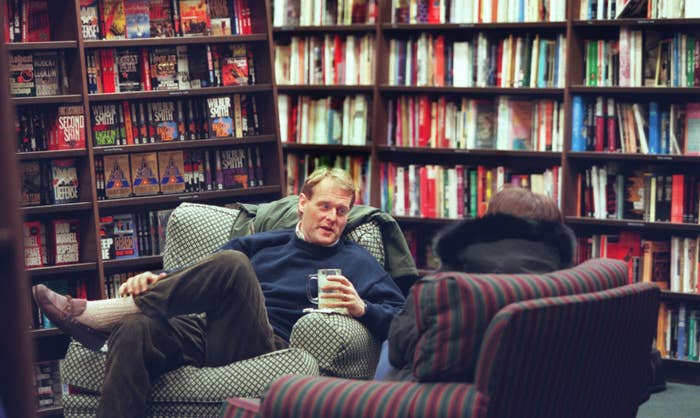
[[303, 200]]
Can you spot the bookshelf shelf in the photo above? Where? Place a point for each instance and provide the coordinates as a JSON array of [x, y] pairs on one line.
[[43, 272], [490, 91], [50, 155], [630, 223], [189, 144], [45, 333], [436, 222], [33, 46], [50, 412], [66, 98], [636, 23], [616, 156], [179, 40], [312, 30], [154, 94], [321, 88], [460, 27], [662, 91], [539, 155], [668, 295], [55, 209], [142, 201], [142, 262], [291, 146]]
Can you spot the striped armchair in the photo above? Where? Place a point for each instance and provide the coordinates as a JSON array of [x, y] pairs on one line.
[[573, 343]]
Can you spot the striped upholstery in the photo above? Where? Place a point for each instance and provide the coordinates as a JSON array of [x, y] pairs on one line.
[[454, 309], [576, 356]]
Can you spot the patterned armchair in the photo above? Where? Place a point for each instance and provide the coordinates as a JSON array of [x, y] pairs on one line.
[[573, 343], [331, 345]]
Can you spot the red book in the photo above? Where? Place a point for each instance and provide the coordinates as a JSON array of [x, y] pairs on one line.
[[611, 125], [424, 121], [599, 123], [627, 246], [481, 190], [37, 21], [434, 11], [677, 194], [440, 60], [70, 129], [423, 176]]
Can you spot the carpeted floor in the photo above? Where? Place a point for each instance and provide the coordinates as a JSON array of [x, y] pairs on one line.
[[677, 401]]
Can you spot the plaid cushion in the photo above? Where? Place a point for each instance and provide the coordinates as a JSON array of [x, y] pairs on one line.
[[369, 236], [85, 369], [453, 310], [575, 356], [325, 397], [342, 346]]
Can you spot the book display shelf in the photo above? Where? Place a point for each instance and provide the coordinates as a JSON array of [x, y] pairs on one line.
[[124, 110], [589, 102]]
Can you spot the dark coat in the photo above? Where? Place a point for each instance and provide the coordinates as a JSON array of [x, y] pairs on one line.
[[496, 243]]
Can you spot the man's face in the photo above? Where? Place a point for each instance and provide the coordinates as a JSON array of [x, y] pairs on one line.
[[323, 217]]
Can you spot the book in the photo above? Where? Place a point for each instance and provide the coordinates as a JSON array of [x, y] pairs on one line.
[[45, 65], [163, 116], [64, 181], [70, 128], [107, 237], [220, 17], [125, 239], [161, 19], [171, 169], [21, 72], [66, 241], [128, 62], [164, 68], [194, 17], [630, 8], [33, 250], [220, 117], [144, 173], [183, 69], [234, 168], [234, 68], [105, 130], [198, 68], [138, 23], [113, 19], [31, 184], [89, 20], [117, 176], [692, 129], [37, 21]]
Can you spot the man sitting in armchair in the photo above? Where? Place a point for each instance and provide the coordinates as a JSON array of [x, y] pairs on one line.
[[253, 290]]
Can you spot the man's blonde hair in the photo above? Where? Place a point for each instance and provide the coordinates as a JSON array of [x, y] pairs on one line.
[[340, 178]]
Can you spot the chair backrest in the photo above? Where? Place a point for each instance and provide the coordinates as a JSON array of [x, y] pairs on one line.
[[583, 355], [454, 309]]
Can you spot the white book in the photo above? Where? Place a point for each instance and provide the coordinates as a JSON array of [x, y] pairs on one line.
[[347, 126], [692, 9], [283, 111], [413, 191], [399, 192], [640, 123], [183, 68], [460, 59]]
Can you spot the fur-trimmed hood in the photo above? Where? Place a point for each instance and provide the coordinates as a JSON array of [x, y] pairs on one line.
[[501, 243]]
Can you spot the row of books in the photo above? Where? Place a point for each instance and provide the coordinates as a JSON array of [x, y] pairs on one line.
[[129, 235], [503, 123], [26, 21], [51, 242], [147, 122], [437, 191], [49, 182], [323, 12], [38, 73], [48, 383], [118, 70], [328, 120], [167, 172], [300, 166], [114, 281], [134, 19], [605, 124], [41, 128], [75, 287], [650, 9], [678, 331], [325, 60], [483, 11], [607, 193]]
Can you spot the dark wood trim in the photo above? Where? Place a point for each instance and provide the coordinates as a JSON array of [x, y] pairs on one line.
[[637, 23], [349, 29], [475, 27], [189, 144], [42, 272], [142, 201], [450, 90], [177, 40], [34, 100], [131, 263], [618, 156], [680, 296], [543, 155], [670, 92], [52, 209], [154, 94], [322, 88], [51, 155], [33, 46], [345, 149], [631, 223]]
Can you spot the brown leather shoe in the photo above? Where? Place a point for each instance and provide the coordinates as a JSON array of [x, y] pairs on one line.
[[62, 310]]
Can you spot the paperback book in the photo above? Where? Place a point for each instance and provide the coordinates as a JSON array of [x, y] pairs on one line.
[[66, 241], [22, 74], [234, 169], [194, 17], [30, 176], [219, 116], [46, 73], [70, 128], [164, 74], [171, 166], [113, 19], [144, 171], [138, 23], [125, 244], [89, 19], [163, 116], [161, 19], [117, 176], [64, 180]]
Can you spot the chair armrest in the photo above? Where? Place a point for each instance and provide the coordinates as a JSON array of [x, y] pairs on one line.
[[341, 345], [326, 397]]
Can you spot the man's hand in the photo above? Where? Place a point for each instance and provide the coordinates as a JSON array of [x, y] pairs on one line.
[[139, 283], [345, 297]]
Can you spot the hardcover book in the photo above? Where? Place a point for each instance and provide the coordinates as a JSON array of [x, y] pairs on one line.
[[161, 18], [117, 176], [64, 181], [234, 168], [46, 73], [70, 128], [125, 244], [164, 73], [30, 176], [129, 69], [164, 118], [219, 115], [113, 19], [194, 17], [66, 241], [171, 167], [144, 173], [89, 20], [105, 130], [138, 23], [22, 74]]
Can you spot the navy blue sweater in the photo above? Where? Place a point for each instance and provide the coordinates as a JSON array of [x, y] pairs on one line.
[[283, 262]]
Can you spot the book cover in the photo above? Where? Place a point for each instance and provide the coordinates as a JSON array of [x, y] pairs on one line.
[[161, 19], [219, 116], [30, 177], [234, 169], [144, 173], [113, 19], [66, 241], [70, 128], [45, 65], [89, 20], [33, 256], [163, 116], [125, 239], [692, 129], [194, 17], [521, 125], [164, 71], [21, 71], [485, 124], [107, 237], [38, 29], [64, 180], [198, 67], [171, 169], [234, 68], [138, 24], [117, 176], [183, 69], [220, 17], [105, 130], [129, 70]]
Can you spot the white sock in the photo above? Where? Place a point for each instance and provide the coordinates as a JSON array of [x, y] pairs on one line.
[[103, 314]]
